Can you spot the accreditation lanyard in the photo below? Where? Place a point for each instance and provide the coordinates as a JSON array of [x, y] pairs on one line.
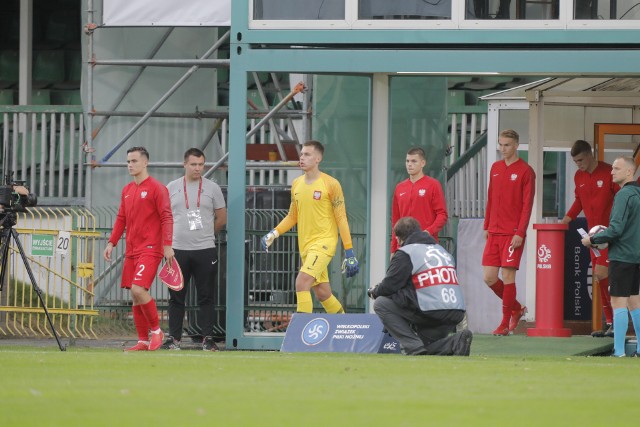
[[186, 197], [193, 216]]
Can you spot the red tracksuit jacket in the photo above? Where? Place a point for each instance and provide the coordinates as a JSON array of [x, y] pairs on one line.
[[424, 200], [145, 212], [594, 195], [510, 198]]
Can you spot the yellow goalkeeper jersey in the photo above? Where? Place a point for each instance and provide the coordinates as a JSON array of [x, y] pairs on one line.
[[319, 211]]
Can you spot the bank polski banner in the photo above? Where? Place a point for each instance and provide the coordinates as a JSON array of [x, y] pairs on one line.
[[166, 13], [577, 274]]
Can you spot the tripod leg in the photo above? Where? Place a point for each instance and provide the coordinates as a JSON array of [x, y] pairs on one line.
[[4, 256], [16, 239]]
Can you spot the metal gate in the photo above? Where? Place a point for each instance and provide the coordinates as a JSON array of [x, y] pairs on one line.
[[59, 244]]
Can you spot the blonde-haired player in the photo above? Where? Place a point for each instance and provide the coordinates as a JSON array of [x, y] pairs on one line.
[[318, 209]]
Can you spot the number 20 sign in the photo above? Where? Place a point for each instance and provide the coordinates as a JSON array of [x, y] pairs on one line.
[[63, 242]]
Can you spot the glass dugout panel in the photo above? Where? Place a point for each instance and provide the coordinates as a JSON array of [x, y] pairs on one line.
[[406, 9], [299, 10], [513, 9], [418, 118], [606, 9], [341, 111]]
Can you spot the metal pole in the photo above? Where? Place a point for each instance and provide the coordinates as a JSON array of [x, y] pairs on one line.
[[26, 56], [131, 82], [292, 164], [215, 167], [200, 114], [216, 127], [152, 165], [161, 101], [90, 27], [306, 106], [204, 63]]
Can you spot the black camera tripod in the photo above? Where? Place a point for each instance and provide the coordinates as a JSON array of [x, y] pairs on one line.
[[7, 232]]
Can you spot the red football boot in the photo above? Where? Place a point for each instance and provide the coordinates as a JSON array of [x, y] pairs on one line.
[[140, 346], [156, 340], [516, 315], [501, 331]]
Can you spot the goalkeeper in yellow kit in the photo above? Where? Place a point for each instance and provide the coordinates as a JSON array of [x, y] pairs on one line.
[[317, 207]]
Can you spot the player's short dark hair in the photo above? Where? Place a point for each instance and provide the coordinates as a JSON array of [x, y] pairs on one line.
[[317, 145], [510, 133], [405, 227], [143, 151], [579, 147], [196, 152], [417, 150]]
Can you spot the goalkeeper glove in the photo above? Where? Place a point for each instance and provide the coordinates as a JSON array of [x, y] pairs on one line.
[[350, 263], [268, 239], [371, 292]]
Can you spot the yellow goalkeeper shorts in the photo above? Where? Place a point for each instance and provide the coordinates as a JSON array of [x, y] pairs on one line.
[[315, 264]]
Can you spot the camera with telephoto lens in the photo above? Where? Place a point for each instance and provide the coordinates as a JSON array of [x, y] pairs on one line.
[[12, 200]]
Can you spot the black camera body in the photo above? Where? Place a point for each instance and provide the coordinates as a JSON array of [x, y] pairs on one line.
[[10, 200]]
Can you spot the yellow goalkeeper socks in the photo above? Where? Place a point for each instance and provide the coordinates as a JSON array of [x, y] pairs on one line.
[[332, 305], [305, 305]]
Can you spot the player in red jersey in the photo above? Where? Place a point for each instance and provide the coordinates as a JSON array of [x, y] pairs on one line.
[[509, 205], [594, 195], [145, 213], [420, 197]]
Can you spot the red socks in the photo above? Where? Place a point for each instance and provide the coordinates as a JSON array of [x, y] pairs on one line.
[[150, 312], [606, 300], [508, 302], [141, 323], [499, 287]]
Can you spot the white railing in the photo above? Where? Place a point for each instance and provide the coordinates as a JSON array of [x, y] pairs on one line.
[[466, 187], [46, 143], [465, 129]]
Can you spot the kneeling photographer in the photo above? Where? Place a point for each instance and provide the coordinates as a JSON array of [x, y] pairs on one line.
[[419, 301]]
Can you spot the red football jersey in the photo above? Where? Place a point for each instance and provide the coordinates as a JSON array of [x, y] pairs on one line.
[[510, 198], [594, 195], [424, 200], [145, 213]]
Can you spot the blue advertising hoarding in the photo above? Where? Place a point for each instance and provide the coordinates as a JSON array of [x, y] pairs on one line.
[[341, 333]]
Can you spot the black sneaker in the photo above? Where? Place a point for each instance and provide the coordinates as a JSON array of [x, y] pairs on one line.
[[462, 344], [606, 329], [208, 344], [609, 332], [171, 344]]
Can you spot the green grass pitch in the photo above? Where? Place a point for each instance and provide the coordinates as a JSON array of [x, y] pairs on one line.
[[106, 387]]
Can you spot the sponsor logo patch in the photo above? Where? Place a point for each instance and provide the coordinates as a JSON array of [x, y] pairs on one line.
[[315, 331]]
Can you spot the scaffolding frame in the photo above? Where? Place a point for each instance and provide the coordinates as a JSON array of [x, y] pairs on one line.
[[266, 117]]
